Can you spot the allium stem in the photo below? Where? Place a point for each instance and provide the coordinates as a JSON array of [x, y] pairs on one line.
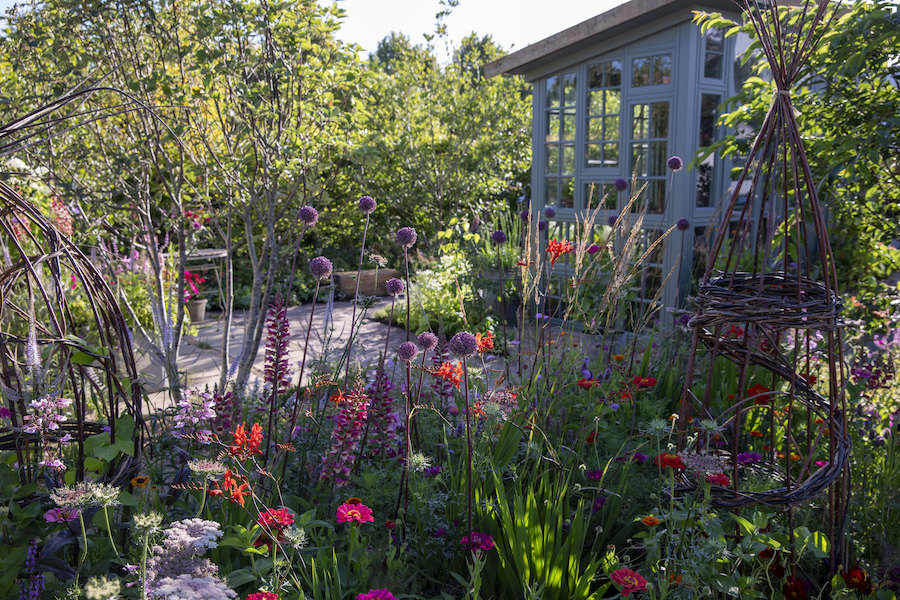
[[503, 311], [312, 310], [362, 251], [387, 335], [406, 263], [468, 447], [290, 284]]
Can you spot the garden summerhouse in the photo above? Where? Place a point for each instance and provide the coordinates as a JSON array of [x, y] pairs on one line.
[[615, 97]]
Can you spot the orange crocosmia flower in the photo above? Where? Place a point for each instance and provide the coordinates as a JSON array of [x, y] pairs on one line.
[[795, 456], [759, 390], [557, 249], [256, 438], [449, 372], [819, 421], [756, 433], [339, 397], [238, 493], [650, 521], [485, 342]]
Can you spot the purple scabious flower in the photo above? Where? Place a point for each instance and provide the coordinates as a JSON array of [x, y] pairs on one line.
[[542, 225], [675, 163], [748, 458], [598, 503], [427, 340], [477, 541], [498, 236], [683, 224], [367, 205], [612, 220], [394, 286], [308, 215], [320, 267], [621, 185], [407, 351], [406, 237], [525, 214], [463, 345], [639, 457], [550, 212]]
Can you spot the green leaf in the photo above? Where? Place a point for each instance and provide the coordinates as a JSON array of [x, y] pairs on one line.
[[240, 577], [125, 427], [127, 498]]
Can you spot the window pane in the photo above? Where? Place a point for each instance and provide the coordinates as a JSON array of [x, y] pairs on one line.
[[709, 113], [714, 40], [567, 196], [595, 103], [569, 89], [595, 129], [569, 125], [614, 73], [595, 75], [640, 72], [552, 194], [611, 155], [553, 91], [658, 158], [662, 69], [552, 158], [639, 116], [568, 158], [656, 196], [660, 124], [592, 155], [613, 101], [611, 128], [712, 67], [639, 159], [552, 133]]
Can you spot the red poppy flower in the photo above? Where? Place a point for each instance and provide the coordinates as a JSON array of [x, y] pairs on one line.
[[668, 460], [793, 589], [644, 381], [586, 383], [759, 390], [857, 579]]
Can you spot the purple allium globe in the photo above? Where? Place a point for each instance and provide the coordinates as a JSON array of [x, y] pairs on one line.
[[320, 267], [427, 340], [612, 220], [683, 224], [621, 185], [367, 205], [394, 286], [407, 351], [463, 345], [498, 236], [524, 215], [406, 237], [308, 215], [550, 212], [675, 163], [543, 225]]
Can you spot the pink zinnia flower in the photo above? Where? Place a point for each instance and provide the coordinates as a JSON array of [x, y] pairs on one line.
[[276, 518], [354, 512], [628, 580], [381, 594], [61, 515], [719, 479], [263, 596], [477, 541]]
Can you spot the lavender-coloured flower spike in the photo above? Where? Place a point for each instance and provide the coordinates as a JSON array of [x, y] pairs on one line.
[[524, 215], [463, 345], [683, 224], [675, 163], [550, 212], [542, 225], [320, 267], [428, 341], [406, 237], [407, 351], [394, 286], [612, 220], [308, 215], [498, 236], [367, 205]]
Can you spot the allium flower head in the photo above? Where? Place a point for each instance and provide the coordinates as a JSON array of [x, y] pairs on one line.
[[406, 237], [525, 214], [308, 215], [675, 163], [550, 212], [621, 185], [407, 351], [357, 513], [498, 236], [394, 286], [611, 220], [683, 224], [367, 205], [543, 225], [593, 249], [427, 340], [463, 345], [320, 267]]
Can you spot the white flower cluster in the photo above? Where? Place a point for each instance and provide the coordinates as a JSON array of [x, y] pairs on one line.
[[101, 588], [708, 464], [187, 587], [84, 494], [193, 533]]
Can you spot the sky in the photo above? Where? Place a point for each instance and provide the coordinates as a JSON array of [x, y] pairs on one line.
[[513, 24]]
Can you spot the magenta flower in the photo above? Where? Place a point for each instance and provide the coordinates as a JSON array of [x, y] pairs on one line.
[[748, 458], [367, 204], [61, 515], [406, 237], [381, 594], [594, 474], [593, 249], [357, 513], [477, 541], [639, 457], [5, 413], [308, 215]]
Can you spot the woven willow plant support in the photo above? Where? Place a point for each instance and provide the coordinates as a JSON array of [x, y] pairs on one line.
[[768, 299], [45, 351]]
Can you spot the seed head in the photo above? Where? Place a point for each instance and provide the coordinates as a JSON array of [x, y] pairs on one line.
[[675, 163], [427, 340], [394, 286], [407, 351]]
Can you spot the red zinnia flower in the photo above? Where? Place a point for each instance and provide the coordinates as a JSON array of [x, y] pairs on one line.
[[719, 479], [668, 460], [586, 383], [644, 381], [276, 518], [794, 589], [857, 579], [360, 513], [759, 390], [557, 249]]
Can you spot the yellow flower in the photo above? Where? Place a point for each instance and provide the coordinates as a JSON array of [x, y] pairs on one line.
[[140, 482]]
